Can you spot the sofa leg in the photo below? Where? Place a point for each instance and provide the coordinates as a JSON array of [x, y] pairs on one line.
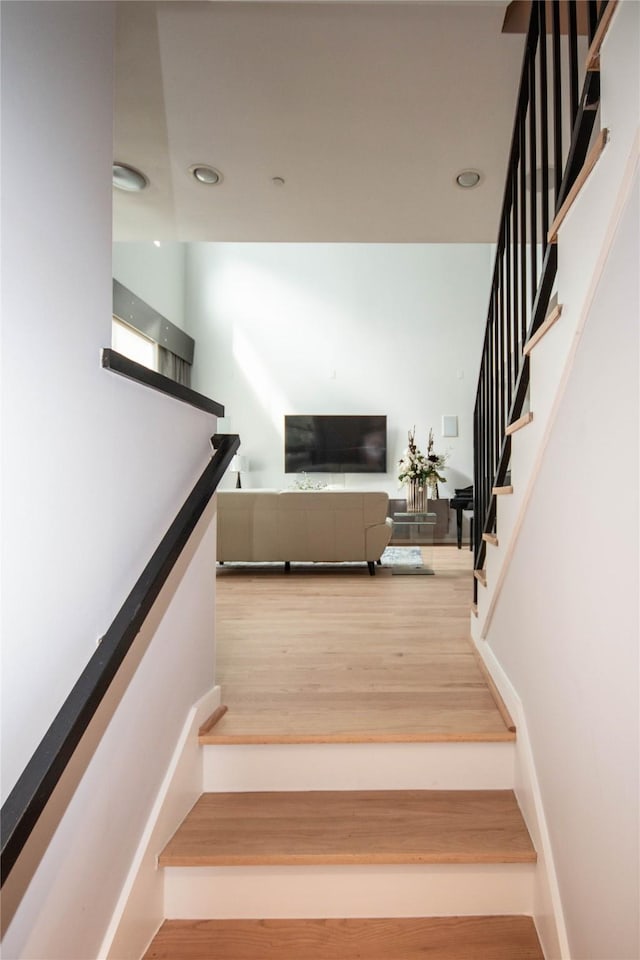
[[287, 566], [372, 567], [379, 561]]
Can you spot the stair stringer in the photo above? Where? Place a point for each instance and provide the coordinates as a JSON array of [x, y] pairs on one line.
[[551, 366], [140, 908], [547, 905], [584, 243]]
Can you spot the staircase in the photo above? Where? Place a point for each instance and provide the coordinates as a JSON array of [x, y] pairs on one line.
[[350, 870], [531, 363]]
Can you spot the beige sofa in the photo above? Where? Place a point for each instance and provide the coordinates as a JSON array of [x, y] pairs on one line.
[[302, 525]]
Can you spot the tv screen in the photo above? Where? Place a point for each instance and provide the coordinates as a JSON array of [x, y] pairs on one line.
[[335, 444]]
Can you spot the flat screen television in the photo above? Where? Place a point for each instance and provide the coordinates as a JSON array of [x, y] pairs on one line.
[[335, 444]]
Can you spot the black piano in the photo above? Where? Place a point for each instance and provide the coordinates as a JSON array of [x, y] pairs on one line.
[[463, 500]]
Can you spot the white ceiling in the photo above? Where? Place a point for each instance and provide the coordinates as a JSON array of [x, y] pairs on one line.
[[368, 111]]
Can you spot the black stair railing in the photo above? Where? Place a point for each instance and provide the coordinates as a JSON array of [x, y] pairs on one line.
[[29, 797], [551, 135]]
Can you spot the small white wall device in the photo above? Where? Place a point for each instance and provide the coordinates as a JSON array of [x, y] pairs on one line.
[[449, 426]]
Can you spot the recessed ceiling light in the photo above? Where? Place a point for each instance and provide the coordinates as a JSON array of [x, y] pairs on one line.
[[128, 178], [205, 174], [468, 178]]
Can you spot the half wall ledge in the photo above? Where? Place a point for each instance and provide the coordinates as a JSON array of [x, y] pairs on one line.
[[125, 367]]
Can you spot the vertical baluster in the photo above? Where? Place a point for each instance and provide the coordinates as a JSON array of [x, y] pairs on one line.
[[523, 237], [496, 372], [498, 337], [494, 388], [509, 303], [516, 275], [490, 383], [544, 127], [573, 59], [506, 289], [533, 180], [487, 446], [485, 438], [504, 383], [476, 473], [557, 101], [483, 427], [593, 18]]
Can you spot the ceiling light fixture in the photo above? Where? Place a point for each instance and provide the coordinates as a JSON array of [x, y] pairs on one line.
[[128, 178], [468, 178], [209, 176]]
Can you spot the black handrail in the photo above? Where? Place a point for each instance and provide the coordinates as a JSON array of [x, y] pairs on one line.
[[33, 789], [523, 278]]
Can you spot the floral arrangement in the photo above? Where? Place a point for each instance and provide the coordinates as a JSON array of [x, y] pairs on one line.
[[304, 482], [424, 470]]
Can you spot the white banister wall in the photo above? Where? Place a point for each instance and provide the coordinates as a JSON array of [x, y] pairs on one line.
[[565, 629], [94, 469]]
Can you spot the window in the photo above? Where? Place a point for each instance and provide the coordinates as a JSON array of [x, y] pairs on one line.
[[133, 344]]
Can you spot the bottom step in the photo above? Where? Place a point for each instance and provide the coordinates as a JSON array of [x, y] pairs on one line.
[[439, 938]]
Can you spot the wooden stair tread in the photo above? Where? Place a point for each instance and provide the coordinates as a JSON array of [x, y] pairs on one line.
[[518, 424], [405, 938], [490, 538], [481, 577], [388, 714], [502, 491], [592, 158], [593, 55], [350, 827], [544, 327]]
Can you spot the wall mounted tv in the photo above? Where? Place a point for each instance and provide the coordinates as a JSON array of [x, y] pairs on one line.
[[335, 444]]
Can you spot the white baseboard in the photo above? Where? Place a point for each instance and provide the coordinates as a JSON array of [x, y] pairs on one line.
[[547, 905], [140, 908]]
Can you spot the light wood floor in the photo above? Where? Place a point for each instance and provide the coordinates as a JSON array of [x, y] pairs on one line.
[[341, 656], [438, 938]]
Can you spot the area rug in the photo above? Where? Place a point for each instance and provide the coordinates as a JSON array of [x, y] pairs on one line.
[[405, 561]]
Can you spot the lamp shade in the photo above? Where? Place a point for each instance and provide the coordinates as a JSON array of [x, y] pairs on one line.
[[238, 464]]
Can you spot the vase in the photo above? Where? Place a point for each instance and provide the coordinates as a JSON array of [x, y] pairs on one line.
[[416, 498]]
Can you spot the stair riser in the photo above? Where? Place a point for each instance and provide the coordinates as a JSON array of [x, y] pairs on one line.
[[359, 766], [348, 891]]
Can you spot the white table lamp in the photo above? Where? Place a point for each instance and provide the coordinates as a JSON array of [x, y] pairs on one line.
[[237, 465]]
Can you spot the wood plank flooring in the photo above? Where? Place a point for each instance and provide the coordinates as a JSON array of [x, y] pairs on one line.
[[439, 938], [348, 827], [324, 656]]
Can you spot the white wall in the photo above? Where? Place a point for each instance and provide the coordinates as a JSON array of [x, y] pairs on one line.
[[566, 627], [340, 328], [94, 469], [155, 274], [566, 630]]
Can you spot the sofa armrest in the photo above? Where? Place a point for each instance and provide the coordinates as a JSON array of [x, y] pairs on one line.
[[377, 537]]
